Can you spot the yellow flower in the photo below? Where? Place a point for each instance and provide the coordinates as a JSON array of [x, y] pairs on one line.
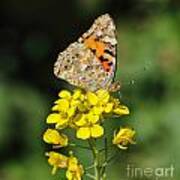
[[61, 120], [62, 104], [103, 96], [86, 119], [98, 110], [92, 98], [115, 101], [53, 118], [108, 108], [64, 94], [75, 170], [63, 123], [92, 118], [74, 103], [96, 131], [124, 137], [57, 161], [93, 131], [82, 97], [71, 111], [83, 107], [121, 110], [52, 136], [83, 111], [77, 94], [80, 120], [88, 127]]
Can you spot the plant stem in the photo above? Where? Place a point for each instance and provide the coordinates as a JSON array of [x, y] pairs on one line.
[[79, 146], [90, 176], [103, 168], [90, 167], [95, 153]]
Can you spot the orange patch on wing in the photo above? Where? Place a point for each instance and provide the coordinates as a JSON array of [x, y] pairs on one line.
[[100, 48], [90, 42], [93, 44], [106, 66]]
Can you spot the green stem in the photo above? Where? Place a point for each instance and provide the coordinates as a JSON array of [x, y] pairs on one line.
[[79, 146], [109, 160], [95, 153], [103, 168], [90, 167], [90, 176]]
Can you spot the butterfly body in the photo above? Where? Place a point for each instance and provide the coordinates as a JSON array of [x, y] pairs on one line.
[[90, 62]]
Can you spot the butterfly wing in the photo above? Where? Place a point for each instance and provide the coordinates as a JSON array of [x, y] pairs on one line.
[[90, 62]]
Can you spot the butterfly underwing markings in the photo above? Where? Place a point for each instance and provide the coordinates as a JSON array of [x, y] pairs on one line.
[[80, 64], [101, 40], [106, 61]]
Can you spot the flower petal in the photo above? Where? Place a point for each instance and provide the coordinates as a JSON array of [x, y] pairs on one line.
[[81, 120], [92, 118], [74, 169], [77, 94], [103, 95], [83, 133], [92, 98], [82, 107], [71, 111], [124, 137], [52, 136], [63, 105], [97, 131], [121, 110], [57, 160], [64, 94], [97, 110], [69, 175], [74, 103], [108, 108], [55, 107], [63, 123], [53, 118]]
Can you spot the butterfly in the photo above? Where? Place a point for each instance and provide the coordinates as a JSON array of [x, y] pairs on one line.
[[90, 62]]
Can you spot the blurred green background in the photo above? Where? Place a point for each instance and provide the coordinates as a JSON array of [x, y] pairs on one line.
[[31, 35]]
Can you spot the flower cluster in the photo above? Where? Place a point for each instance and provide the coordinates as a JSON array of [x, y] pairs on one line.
[[74, 169], [85, 112]]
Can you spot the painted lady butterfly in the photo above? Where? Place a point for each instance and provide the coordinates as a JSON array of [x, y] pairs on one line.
[[90, 62]]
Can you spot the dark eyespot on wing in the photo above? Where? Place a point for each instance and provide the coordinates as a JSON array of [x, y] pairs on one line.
[[102, 59], [110, 63], [109, 52], [93, 50], [107, 69]]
